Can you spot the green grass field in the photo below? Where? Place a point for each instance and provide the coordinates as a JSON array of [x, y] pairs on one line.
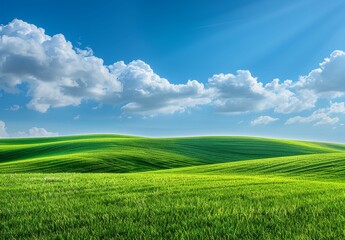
[[121, 187]]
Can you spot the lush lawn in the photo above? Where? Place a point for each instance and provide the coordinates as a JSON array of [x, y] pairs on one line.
[[187, 188], [165, 206]]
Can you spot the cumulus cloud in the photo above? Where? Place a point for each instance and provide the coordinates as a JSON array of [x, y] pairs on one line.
[[3, 132], [32, 132], [57, 74], [146, 93], [327, 80], [337, 107], [40, 132], [244, 93], [238, 93], [263, 120], [321, 116]]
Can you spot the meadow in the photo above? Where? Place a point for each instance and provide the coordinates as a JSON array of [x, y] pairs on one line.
[[123, 187]]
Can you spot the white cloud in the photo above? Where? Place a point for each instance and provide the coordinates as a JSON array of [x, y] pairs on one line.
[[322, 116], [263, 120], [98, 106], [285, 98], [76, 117], [146, 93], [57, 74], [32, 132], [237, 93], [40, 132], [244, 93], [319, 118], [14, 108], [337, 107], [3, 132], [327, 80]]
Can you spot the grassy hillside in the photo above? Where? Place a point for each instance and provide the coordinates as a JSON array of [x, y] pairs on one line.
[[114, 153], [173, 188], [325, 166]]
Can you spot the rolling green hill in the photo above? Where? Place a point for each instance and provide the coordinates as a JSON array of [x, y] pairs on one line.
[[115, 153], [121, 187], [325, 166]]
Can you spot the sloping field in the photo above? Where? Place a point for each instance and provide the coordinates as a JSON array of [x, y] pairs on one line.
[[114, 153], [180, 188], [325, 166]]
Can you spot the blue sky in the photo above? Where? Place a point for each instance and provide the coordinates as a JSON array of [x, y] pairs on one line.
[[157, 69]]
